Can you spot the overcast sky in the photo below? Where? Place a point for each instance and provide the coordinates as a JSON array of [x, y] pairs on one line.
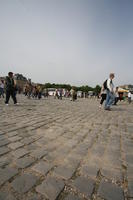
[[67, 41]]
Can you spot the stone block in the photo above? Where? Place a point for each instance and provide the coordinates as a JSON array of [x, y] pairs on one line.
[[3, 150], [15, 145], [64, 172], [84, 185], [24, 162], [42, 167], [6, 174], [4, 142], [20, 153], [24, 183], [110, 191], [51, 188]]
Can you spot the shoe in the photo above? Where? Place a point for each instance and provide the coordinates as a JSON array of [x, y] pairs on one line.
[[108, 109], [16, 104], [7, 104], [100, 106]]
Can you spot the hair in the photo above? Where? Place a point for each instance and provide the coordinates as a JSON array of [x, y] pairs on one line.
[[10, 73], [112, 74]]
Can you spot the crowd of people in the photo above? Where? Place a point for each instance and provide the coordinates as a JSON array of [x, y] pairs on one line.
[[33, 91], [9, 88], [109, 93]]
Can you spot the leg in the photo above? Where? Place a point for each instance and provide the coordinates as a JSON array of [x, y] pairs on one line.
[[8, 93], [103, 98], [111, 100], [117, 99], [3, 93], [107, 99], [13, 96]]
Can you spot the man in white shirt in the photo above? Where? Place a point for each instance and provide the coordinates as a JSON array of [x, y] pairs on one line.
[[110, 92]]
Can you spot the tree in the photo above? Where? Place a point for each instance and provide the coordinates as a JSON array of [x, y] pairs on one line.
[[97, 89]]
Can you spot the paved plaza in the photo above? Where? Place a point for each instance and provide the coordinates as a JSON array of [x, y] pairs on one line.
[[61, 150]]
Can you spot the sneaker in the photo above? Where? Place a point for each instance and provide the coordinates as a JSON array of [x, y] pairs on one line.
[[16, 104], [7, 104]]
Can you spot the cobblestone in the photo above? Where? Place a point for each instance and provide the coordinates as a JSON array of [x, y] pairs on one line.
[[24, 162], [23, 183], [15, 145], [6, 196], [51, 188], [3, 150], [42, 167], [64, 172], [130, 188], [84, 186], [6, 174], [110, 191], [20, 153], [4, 142], [72, 197], [52, 149]]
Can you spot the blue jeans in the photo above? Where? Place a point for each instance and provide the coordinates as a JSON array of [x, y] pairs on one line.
[[109, 99], [1, 92]]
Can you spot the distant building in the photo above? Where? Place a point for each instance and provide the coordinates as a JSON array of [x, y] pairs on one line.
[[20, 81]]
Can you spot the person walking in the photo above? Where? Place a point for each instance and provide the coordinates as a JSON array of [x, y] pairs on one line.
[[73, 94], [116, 96], [129, 97], [103, 95], [10, 88], [39, 92], [2, 88], [110, 92]]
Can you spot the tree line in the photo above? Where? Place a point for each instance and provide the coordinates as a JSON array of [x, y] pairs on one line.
[[84, 88]]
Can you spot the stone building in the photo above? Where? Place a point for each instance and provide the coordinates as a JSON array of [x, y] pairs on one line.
[[20, 81]]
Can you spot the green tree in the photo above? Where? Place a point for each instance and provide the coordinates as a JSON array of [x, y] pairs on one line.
[[97, 89]]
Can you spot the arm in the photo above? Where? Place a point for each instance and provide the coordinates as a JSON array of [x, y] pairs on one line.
[[102, 89]]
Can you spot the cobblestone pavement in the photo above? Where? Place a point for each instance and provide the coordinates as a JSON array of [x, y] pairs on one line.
[[63, 150]]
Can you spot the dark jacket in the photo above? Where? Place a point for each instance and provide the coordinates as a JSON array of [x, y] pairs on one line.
[[9, 83]]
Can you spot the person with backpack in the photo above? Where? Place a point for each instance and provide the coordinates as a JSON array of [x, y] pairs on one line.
[[109, 86]]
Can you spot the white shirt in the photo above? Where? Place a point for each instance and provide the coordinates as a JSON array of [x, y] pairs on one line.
[[110, 85], [2, 85], [129, 94]]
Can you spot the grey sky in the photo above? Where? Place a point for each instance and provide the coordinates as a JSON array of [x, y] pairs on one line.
[[67, 41]]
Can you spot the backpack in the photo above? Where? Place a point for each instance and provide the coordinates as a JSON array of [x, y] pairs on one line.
[[105, 85]]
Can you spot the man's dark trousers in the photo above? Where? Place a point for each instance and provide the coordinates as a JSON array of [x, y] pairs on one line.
[[12, 94]]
